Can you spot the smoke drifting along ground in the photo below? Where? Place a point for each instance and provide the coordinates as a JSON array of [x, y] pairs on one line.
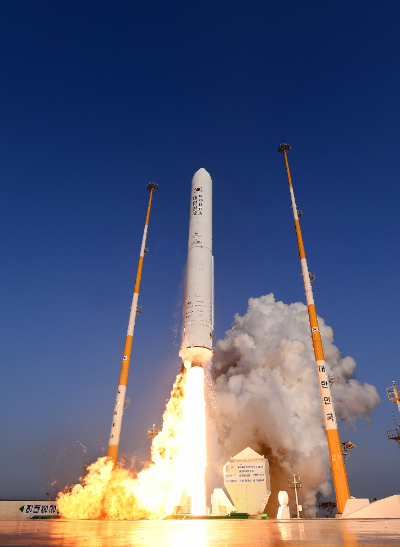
[[267, 396]]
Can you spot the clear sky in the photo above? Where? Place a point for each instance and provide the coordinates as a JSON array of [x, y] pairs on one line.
[[97, 99]]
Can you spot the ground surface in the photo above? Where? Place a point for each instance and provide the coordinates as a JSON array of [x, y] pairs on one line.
[[201, 533]]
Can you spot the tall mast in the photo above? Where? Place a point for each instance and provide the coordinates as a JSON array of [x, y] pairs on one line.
[[335, 448], [112, 452]]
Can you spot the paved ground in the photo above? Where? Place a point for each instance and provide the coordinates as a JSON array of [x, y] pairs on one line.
[[201, 533]]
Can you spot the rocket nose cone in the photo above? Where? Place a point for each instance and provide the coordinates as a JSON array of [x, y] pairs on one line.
[[202, 171]]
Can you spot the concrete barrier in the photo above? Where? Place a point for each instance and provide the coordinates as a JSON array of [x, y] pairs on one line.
[[21, 510]]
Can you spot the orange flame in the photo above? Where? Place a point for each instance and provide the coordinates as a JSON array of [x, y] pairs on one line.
[[179, 461]]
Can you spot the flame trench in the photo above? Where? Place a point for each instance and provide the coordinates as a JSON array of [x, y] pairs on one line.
[[178, 461]]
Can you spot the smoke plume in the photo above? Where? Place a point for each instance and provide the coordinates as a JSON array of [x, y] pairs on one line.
[[267, 396]]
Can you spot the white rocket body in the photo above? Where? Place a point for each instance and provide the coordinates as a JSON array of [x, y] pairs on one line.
[[198, 308]]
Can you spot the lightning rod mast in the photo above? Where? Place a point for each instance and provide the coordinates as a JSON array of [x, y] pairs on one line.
[[335, 448], [394, 397], [112, 452], [295, 484]]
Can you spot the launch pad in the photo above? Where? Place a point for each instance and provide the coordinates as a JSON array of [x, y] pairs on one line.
[[247, 479], [201, 533]]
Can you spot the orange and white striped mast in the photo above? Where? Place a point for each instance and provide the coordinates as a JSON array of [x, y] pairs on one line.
[[335, 448], [113, 444]]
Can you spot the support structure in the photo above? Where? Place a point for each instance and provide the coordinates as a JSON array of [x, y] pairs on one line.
[[394, 397], [335, 448], [393, 394], [295, 484], [113, 444], [346, 447], [152, 434]]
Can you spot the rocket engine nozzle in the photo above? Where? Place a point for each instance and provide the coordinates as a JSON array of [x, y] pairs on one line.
[[197, 362], [187, 364]]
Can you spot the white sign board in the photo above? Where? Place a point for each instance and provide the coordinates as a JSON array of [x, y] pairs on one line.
[[246, 477]]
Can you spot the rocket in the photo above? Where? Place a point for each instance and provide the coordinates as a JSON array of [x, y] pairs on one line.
[[198, 307]]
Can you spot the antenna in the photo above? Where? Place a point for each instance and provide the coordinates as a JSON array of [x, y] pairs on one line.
[[152, 434], [295, 484], [393, 396]]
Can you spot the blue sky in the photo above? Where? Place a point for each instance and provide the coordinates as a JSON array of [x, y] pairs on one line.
[[99, 98]]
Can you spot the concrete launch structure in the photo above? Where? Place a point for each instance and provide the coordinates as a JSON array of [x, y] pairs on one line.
[[220, 504], [387, 508], [246, 477], [198, 307]]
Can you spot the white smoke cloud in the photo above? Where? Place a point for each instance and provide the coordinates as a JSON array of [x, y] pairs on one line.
[[267, 395]]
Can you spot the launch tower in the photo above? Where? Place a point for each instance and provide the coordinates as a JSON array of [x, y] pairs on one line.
[[335, 448], [113, 444]]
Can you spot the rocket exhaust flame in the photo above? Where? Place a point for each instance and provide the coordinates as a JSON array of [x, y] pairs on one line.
[[179, 459]]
